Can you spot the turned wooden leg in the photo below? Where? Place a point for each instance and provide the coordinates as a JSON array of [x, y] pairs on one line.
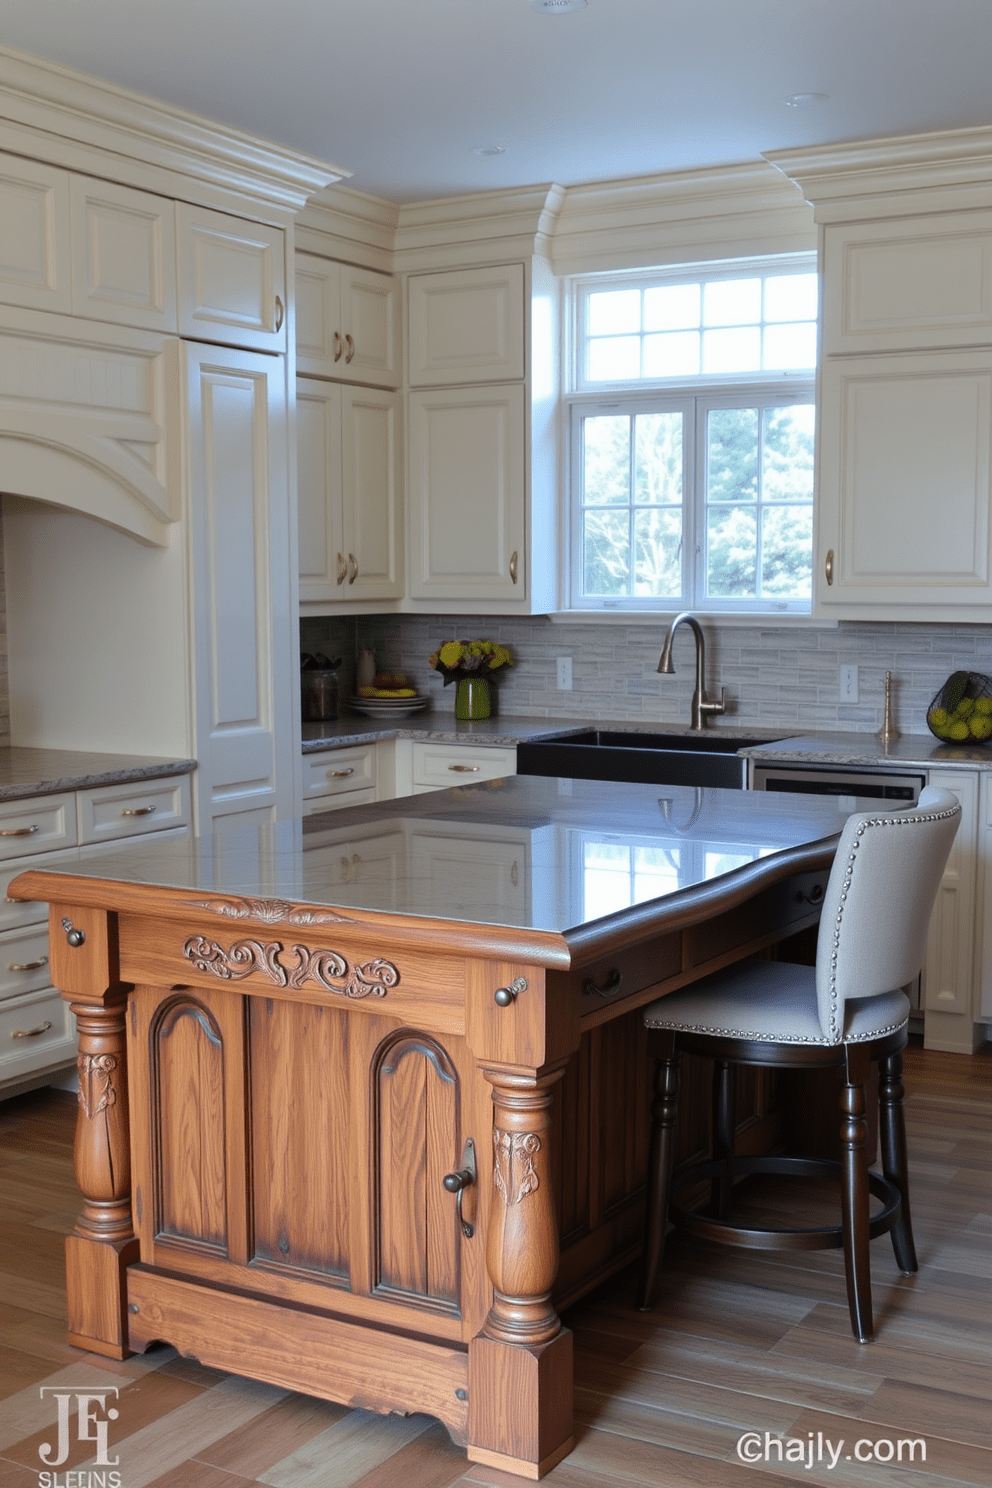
[[520, 1365], [892, 1133], [724, 1093], [854, 1191], [103, 1243], [664, 1110]]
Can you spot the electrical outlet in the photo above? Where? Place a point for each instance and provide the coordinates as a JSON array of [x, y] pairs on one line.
[[564, 674], [848, 683]]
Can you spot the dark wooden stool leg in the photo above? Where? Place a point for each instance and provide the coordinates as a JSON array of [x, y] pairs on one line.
[[854, 1190], [892, 1134], [664, 1109], [724, 1091]]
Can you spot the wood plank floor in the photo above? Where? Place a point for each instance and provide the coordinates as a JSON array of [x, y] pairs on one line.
[[741, 1343]]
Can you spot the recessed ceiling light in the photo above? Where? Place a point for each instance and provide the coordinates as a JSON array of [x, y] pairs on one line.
[[805, 100], [489, 150], [557, 7]]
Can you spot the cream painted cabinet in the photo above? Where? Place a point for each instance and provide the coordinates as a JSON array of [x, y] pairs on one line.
[[231, 279], [905, 486], [242, 654], [348, 480], [467, 493], [467, 326], [34, 235], [949, 981], [124, 255], [347, 322]]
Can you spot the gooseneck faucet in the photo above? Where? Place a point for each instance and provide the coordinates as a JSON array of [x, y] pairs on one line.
[[701, 705]]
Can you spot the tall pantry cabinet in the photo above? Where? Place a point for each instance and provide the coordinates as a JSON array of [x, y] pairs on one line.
[[145, 363]]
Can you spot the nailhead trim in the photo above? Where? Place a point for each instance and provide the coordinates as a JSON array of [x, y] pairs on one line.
[[774, 1038]]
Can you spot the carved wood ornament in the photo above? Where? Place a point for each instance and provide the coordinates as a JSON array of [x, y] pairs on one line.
[[269, 911], [247, 956], [513, 1173], [96, 1092]]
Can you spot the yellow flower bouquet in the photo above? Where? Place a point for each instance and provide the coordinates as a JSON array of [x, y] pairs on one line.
[[471, 664]]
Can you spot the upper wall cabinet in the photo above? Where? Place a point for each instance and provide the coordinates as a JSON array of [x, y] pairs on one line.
[[913, 283], [467, 326], [124, 258], [347, 322], [232, 280], [34, 235]]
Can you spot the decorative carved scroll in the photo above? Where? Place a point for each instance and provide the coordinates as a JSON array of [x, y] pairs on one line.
[[269, 911], [513, 1173], [96, 1091], [247, 956]]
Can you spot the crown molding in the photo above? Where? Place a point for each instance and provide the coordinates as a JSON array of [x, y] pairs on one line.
[[682, 217], [350, 225], [483, 227], [900, 175], [54, 114]]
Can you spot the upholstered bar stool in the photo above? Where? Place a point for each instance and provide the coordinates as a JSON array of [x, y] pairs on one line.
[[848, 1011]]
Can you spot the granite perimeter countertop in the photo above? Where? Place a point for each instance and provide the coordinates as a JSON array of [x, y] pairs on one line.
[[43, 772], [866, 750], [506, 731]]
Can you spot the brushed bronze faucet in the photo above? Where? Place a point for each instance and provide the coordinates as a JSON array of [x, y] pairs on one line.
[[701, 705]]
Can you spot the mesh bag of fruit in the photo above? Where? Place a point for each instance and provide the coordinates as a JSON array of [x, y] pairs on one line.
[[962, 710]]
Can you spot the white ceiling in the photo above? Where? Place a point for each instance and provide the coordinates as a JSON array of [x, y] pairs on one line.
[[401, 91]]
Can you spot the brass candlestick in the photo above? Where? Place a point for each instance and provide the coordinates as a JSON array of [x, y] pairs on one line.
[[888, 733]]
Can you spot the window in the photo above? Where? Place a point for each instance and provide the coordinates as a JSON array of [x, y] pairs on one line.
[[692, 480]]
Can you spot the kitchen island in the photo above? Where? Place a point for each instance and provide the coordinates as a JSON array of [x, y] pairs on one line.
[[381, 1079]]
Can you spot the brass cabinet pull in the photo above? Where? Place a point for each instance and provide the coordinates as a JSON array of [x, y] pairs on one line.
[[609, 988], [19, 831], [353, 565], [457, 1183], [137, 810], [351, 349], [342, 569], [465, 769], [31, 1032], [828, 567], [339, 774], [280, 313], [338, 347], [513, 566], [28, 965]]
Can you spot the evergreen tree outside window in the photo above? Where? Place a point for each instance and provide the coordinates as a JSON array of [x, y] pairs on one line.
[[692, 462]]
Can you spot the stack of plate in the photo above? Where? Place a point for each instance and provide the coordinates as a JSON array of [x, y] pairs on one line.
[[381, 707]]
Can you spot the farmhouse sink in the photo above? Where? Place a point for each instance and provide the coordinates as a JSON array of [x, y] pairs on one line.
[[652, 759]]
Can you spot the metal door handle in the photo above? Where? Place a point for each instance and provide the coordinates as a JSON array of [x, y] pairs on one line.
[[342, 569], [338, 347], [137, 810], [280, 313], [28, 965], [513, 566], [19, 831], [828, 567], [609, 988], [353, 564], [457, 1183], [31, 1032], [465, 769], [339, 774], [351, 349]]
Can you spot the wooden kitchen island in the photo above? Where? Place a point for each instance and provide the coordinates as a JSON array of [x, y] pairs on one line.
[[363, 1098]]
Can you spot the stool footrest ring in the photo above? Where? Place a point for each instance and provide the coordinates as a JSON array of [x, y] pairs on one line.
[[828, 1237]]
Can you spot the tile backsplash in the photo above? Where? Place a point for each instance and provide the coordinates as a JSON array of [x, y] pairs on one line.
[[778, 675]]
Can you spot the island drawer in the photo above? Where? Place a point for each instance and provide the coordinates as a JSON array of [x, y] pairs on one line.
[[109, 812], [339, 771], [24, 961], [35, 1031], [35, 826], [439, 766]]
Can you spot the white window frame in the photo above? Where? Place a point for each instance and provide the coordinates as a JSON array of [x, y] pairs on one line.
[[695, 396]]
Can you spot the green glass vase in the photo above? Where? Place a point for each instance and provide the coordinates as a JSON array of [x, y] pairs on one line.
[[472, 699]]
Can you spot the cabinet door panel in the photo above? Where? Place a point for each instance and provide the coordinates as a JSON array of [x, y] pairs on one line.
[[370, 465], [467, 326], [34, 235], [232, 280], [124, 255], [318, 353], [370, 327], [467, 495], [906, 479], [323, 568]]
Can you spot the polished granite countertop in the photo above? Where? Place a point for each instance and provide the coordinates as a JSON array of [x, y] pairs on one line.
[[526, 853], [506, 731], [866, 750], [41, 772]]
